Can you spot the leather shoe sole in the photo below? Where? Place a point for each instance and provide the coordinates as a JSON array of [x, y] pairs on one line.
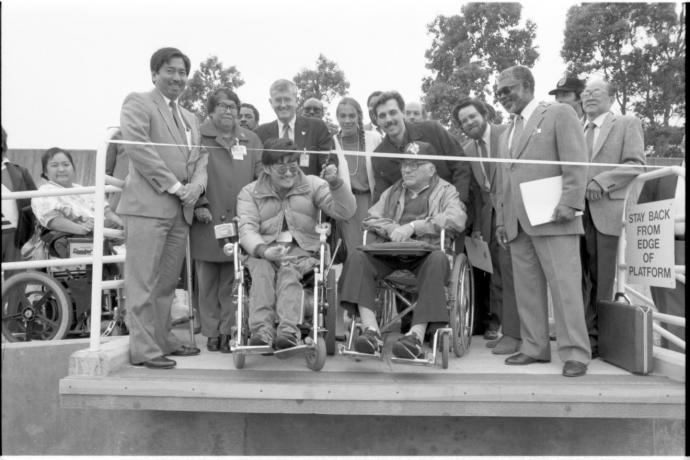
[[574, 369], [160, 362], [184, 350], [522, 359]]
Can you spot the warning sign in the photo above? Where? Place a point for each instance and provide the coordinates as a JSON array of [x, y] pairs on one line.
[[649, 249]]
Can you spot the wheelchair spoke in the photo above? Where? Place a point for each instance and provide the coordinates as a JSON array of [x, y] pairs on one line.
[[46, 321]]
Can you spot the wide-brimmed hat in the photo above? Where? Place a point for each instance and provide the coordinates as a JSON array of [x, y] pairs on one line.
[[568, 83]]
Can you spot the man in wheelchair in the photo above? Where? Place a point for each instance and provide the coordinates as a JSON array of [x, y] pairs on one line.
[[278, 215], [419, 205]]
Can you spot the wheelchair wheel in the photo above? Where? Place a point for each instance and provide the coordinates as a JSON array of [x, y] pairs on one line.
[[316, 357], [331, 313], [462, 307], [35, 306], [445, 350]]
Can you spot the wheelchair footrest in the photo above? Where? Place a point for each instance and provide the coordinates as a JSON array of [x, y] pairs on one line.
[[342, 349], [252, 350], [288, 352], [428, 361]]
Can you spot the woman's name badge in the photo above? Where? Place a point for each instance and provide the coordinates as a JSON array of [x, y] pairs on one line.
[[304, 159], [238, 152]]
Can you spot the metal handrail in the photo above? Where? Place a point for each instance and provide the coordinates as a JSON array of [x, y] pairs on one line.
[[622, 266], [99, 219]]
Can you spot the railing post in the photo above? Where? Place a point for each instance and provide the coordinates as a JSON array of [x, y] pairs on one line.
[[97, 267]]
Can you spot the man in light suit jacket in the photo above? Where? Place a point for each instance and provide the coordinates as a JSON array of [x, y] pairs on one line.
[[305, 133], [499, 302], [610, 139], [157, 205], [548, 252]]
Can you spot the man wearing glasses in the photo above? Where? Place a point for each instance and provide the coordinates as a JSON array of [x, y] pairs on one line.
[[416, 207], [550, 252], [278, 215]]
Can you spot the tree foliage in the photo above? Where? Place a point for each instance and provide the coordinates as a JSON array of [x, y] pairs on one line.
[[470, 49], [324, 83], [640, 47], [210, 76]]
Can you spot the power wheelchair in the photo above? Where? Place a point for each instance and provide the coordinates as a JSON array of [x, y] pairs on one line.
[[55, 302], [397, 296], [318, 310]]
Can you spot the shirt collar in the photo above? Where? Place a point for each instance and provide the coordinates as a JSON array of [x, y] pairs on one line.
[[598, 121], [5, 161], [528, 110], [167, 101], [291, 123]]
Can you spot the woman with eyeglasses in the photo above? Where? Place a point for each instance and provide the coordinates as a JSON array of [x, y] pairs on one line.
[[234, 154], [354, 168], [278, 217]]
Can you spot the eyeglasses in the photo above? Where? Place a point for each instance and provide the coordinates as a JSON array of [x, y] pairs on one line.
[[593, 93], [507, 89], [225, 107], [282, 168], [313, 109]]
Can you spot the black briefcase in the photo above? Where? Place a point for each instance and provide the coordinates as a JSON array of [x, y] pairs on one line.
[[625, 335]]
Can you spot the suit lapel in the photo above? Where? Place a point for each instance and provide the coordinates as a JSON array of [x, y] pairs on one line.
[[170, 122], [494, 140], [300, 132], [530, 126], [603, 134]]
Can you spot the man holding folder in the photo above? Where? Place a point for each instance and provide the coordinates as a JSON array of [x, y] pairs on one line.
[[546, 253]]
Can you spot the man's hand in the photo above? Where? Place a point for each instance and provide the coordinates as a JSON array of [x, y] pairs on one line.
[[330, 173], [203, 215], [594, 191], [189, 193], [563, 213], [502, 236], [275, 253], [402, 233]]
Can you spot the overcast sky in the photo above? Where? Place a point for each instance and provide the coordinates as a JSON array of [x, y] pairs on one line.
[[68, 64]]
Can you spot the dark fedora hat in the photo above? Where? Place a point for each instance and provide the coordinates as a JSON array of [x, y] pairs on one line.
[[569, 83]]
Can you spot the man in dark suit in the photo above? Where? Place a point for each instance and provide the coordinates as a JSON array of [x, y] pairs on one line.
[[610, 139], [546, 253], [305, 133], [389, 110], [17, 218], [157, 205], [498, 299]]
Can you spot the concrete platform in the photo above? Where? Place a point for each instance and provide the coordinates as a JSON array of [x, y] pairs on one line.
[[478, 384]]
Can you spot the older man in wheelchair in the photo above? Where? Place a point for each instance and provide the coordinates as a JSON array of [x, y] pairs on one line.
[[278, 215], [419, 207]]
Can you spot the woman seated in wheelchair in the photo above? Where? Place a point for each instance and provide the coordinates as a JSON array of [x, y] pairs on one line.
[[67, 215], [416, 207], [278, 215]]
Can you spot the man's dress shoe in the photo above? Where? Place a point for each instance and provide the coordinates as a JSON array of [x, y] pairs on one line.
[[506, 345], [213, 343], [574, 369], [492, 343], [185, 350], [225, 343], [490, 334], [159, 362], [522, 359]]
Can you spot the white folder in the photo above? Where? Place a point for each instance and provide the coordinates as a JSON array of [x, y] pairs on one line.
[[541, 197]]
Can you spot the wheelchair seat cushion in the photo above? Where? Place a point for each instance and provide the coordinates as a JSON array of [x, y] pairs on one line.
[[402, 248]]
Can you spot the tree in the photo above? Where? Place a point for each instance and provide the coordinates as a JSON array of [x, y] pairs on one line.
[[470, 49], [640, 48], [210, 76], [324, 83]]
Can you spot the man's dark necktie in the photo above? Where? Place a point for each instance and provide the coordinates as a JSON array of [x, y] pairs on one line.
[[286, 131], [589, 137], [481, 148], [178, 122]]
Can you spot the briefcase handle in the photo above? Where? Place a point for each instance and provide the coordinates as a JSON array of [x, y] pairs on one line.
[[620, 295]]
